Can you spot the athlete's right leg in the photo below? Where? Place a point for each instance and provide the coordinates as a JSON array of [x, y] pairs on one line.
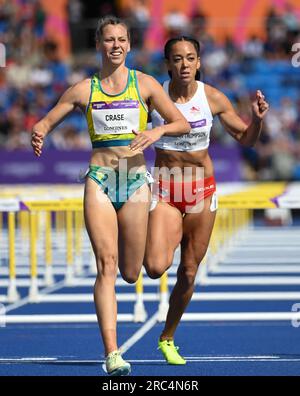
[[102, 227], [163, 236]]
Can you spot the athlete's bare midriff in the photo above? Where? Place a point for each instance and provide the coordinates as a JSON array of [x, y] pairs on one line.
[[185, 159], [120, 156]]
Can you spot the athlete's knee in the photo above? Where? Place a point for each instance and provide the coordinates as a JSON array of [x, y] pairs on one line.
[[130, 276], [107, 265], [154, 273], [155, 268]]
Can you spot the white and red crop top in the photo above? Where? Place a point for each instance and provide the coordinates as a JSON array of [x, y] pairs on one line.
[[197, 112]]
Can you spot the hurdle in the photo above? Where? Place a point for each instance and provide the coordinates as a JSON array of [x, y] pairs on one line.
[[11, 207], [31, 216]]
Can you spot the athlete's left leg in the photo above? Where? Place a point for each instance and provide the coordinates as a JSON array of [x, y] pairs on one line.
[[197, 229], [132, 223]]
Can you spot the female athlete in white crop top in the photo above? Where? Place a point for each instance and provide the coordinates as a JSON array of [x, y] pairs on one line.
[[175, 219], [198, 114]]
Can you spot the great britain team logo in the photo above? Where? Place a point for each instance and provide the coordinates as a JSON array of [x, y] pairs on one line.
[[195, 110]]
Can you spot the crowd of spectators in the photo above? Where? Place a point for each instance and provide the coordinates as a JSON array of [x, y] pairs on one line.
[[35, 77]]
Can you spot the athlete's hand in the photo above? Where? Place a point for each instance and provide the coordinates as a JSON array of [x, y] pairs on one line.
[[145, 139], [260, 106], [37, 141]]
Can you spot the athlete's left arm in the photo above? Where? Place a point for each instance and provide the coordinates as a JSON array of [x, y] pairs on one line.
[[247, 135]]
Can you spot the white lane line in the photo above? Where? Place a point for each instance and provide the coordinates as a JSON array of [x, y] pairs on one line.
[[74, 297], [26, 271], [139, 334], [268, 249], [255, 269], [26, 300], [265, 244], [247, 296], [68, 318], [28, 360], [211, 296], [22, 282], [242, 316], [285, 260], [251, 280], [191, 359], [257, 240], [227, 281], [120, 282], [87, 282], [270, 231], [189, 316], [47, 290], [84, 281]]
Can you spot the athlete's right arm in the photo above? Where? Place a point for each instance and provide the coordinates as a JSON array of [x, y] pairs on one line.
[[151, 91], [66, 104]]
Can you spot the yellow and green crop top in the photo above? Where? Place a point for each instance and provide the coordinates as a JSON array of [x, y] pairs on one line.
[[111, 118]]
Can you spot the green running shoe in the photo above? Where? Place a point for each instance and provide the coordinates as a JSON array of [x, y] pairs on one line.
[[170, 352], [116, 365]]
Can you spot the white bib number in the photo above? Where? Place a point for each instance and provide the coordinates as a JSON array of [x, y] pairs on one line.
[[116, 117]]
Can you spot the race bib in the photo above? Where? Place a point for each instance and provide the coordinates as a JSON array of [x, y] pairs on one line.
[[116, 117], [198, 135]]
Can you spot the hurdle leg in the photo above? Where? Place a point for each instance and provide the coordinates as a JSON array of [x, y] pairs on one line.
[[24, 224], [69, 278], [49, 279], [59, 227], [78, 243], [139, 314], [33, 290], [12, 293], [24, 230], [164, 298]]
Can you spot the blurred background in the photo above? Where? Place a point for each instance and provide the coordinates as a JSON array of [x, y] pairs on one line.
[[245, 45]]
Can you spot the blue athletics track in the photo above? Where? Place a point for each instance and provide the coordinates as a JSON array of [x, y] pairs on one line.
[[239, 322]]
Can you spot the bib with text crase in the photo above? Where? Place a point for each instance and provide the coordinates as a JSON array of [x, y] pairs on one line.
[[116, 117]]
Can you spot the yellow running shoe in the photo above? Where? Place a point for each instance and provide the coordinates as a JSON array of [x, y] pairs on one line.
[[170, 352], [116, 365]]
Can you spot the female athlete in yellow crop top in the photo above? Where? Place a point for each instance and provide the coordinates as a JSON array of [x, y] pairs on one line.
[[111, 118], [115, 105]]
